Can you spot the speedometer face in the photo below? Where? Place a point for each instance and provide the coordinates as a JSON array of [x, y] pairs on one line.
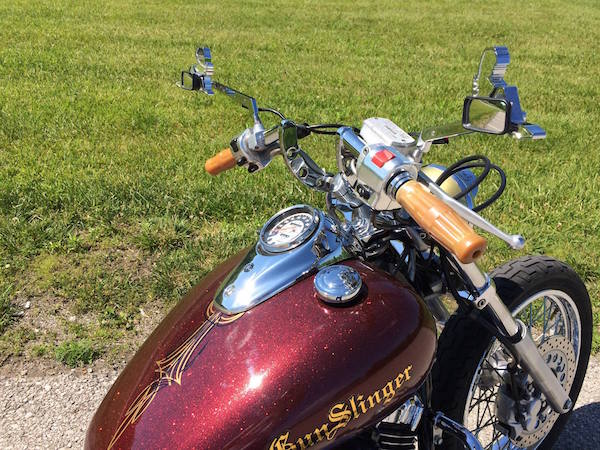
[[288, 229]]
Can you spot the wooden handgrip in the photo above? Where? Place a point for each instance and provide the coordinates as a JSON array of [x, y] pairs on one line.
[[441, 222], [221, 162]]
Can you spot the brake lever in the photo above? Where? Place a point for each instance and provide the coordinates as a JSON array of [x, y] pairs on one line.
[[515, 241]]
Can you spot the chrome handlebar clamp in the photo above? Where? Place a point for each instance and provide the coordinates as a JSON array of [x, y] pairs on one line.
[[249, 150], [299, 162]]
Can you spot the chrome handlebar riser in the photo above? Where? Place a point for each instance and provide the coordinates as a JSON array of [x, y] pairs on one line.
[[349, 148], [351, 141]]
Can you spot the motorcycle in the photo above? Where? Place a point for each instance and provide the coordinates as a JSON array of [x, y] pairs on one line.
[[368, 325]]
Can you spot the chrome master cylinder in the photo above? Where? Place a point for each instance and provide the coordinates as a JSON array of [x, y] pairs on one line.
[[372, 159]]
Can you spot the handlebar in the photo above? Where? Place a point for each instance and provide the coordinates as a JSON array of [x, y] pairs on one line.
[[441, 222], [441, 216], [221, 162]]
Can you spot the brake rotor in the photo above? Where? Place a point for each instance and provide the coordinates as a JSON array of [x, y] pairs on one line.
[[559, 355]]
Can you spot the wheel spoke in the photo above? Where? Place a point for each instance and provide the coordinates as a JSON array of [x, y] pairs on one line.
[[491, 422], [495, 369], [544, 320], [545, 316]]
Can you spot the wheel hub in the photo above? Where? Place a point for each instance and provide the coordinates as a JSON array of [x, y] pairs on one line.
[[527, 421]]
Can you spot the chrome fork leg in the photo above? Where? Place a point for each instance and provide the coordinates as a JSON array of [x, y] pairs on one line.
[[522, 344]]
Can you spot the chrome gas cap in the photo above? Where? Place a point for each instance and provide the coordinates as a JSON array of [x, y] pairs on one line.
[[337, 284]]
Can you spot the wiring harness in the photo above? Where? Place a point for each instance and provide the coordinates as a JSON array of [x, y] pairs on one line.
[[472, 162]]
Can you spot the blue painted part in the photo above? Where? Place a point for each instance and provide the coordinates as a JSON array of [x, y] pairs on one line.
[[517, 115]]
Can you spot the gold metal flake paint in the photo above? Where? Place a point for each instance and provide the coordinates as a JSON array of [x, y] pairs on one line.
[[342, 413]]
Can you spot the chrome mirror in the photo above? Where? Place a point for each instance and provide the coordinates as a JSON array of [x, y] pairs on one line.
[[199, 78], [496, 76], [189, 82], [486, 115], [204, 60]]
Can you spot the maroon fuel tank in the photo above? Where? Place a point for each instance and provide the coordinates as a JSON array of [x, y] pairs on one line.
[[290, 373]]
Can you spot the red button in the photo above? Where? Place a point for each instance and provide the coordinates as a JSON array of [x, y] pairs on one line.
[[381, 157]]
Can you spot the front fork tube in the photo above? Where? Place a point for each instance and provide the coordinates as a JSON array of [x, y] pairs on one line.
[[515, 331]]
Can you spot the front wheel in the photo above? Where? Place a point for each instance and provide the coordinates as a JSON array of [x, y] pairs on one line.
[[474, 381]]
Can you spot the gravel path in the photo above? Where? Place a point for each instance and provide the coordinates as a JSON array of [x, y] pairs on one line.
[[54, 411], [50, 412]]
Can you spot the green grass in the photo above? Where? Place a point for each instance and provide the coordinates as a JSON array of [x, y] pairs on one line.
[[106, 211], [6, 308], [74, 353]]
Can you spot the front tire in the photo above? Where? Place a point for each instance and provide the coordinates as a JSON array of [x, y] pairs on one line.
[[523, 284]]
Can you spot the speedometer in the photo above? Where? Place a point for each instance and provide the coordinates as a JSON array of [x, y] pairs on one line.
[[289, 228]]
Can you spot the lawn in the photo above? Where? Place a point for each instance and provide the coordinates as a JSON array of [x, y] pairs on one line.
[[106, 214]]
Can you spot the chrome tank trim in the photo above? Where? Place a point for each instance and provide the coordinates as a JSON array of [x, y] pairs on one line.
[[260, 275]]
